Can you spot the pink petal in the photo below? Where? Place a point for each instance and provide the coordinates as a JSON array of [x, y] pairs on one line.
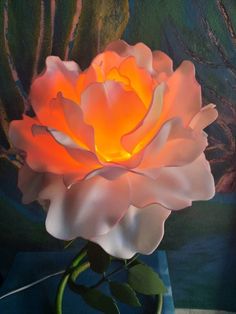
[[148, 126], [89, 208], [30, 183], [59, 76], [162, 64], [140, 231], [174, 187], [53, 157], [140, 80], [183, 94], [204, 117], [105, 62], [141, 52], [87, 158], [75, 126], [112, 111], [84, 157], [173, 145]]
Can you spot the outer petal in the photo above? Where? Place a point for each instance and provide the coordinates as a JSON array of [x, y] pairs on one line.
[[183, 95], [163, 65], [53, 157], [85, 157], [174, 187], [173, 145], [59, 77], [30, 183], [112, 110], [204, 117], [141, 230], [141, 52], [89, 208]]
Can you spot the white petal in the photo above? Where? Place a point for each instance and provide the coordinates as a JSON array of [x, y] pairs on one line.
[[174, 145], [174, 187], [204, 117], [140, 231], [89, 208], [140, 51], [58, 77], [67, 67], [183, 94], [162, 64], [30, 183], [63, 139]]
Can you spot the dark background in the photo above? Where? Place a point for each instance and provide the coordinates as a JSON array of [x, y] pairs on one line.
[[200, 241]]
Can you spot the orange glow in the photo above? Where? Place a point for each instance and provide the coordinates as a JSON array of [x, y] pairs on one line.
[[113, 112], [119, 108], [140, 79], [114, 75], [114, 95], [113, 149]]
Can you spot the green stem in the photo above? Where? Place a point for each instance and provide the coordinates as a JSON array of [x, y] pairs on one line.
[[60, 293], [160, 304], [114, 272], [79, 270], [73, 267], [68, 244]]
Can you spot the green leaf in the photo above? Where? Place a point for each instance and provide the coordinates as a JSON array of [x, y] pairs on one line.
[[124, 293], [100, 301], [144, 280], [98, 258]]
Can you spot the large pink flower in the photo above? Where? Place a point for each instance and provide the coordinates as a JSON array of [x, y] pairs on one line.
[[112, 150]]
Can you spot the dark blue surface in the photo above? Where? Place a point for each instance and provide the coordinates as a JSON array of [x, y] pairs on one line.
[[31, 266]]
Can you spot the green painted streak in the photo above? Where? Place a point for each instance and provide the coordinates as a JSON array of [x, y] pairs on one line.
[[141, 28], [3, 138], [46, 46], [100, 22], [152, 24], [162, 23], [65, 11], [11, 101], [23, 33], [230, 7], [218, 27], [200, 220], [18, 233]]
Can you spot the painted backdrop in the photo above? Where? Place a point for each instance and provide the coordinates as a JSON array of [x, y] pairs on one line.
[[200, 241]]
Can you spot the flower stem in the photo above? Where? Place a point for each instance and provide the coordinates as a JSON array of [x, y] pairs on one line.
[[60, 293], [160, 304], [114, 272], [74, 266]]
